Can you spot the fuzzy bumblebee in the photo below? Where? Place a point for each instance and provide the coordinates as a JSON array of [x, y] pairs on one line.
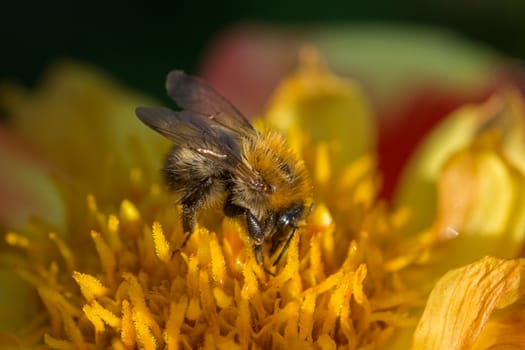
[[220, 159]]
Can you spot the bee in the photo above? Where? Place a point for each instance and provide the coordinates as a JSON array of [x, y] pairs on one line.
[[219, 159]]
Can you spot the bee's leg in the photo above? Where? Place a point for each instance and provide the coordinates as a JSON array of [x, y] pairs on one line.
[[188, 222], [258, 253], [255, 230], [188, 225], [257, 234], [286, 245], [191, 202], [275, 245]]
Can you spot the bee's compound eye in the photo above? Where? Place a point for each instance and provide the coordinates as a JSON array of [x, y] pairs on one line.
[[284, 220], [290, 216]]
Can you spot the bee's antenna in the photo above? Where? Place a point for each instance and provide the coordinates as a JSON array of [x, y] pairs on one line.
[[286, 245], [268, 272]]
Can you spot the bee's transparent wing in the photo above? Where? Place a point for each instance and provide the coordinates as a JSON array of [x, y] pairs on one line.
[[193, 131], [193, 94]]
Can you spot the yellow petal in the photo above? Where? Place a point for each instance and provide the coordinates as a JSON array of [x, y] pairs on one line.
[[313, 106], [417, 190], [504, 333], [81, 107], [480, 198], [463, 301]]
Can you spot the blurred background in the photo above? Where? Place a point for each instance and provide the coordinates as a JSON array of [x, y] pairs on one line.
[[416, 60], [138, 44]]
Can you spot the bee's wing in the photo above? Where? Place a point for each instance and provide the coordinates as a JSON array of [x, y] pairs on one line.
[[195, 132], [194, 94]]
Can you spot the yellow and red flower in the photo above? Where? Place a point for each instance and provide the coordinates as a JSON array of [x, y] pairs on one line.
[[437, 268]]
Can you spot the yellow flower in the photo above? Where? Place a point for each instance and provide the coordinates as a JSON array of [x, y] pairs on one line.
[[466, 182], [105, 277]]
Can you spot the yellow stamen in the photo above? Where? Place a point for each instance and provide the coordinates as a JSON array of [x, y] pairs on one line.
[[95, 319], [127, 333], [73, 331], [92, 204], [244, 323], [90, 287], [194, 309], [218, 264], [208, 303], [64, 250], [222, 299], [325, 342], [128, 211], [250, 289], [16, 240], [142, 318], [357, 284], [174, 324], [112, 233], [306, 319], [58, 344], [130, 222], [58, 301], [107, 259], [336, 302], [145, 336], [162, 246]]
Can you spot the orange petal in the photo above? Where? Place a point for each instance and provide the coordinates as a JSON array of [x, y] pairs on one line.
[[463, 301]]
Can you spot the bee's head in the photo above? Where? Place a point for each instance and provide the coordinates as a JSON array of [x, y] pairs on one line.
[[290, 216]]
